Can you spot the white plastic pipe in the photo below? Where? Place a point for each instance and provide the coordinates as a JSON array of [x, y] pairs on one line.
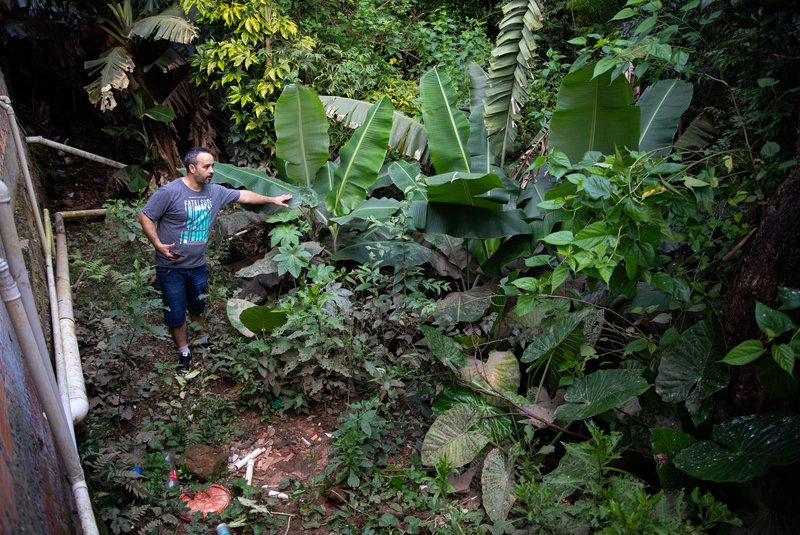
[[76, 388], [5, 103], [43, 382], [16, 263], [72, 150], [61, 367]]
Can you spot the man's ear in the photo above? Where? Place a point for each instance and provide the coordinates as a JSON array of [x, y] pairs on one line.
[[191, 168]]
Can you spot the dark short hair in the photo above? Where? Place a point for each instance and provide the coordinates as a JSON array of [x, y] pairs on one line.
[[192, 154]]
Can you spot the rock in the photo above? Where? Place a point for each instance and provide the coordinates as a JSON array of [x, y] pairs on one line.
[[203, 461], [230, 224]]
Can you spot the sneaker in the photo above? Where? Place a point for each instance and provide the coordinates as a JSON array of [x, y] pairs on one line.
[[204, 343], [184, 362]]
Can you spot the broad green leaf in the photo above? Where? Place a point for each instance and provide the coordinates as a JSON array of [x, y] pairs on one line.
[[463, 221], [407, 136], [457, 307], [690, 370], [744, 353], [407, 177], [499, 373], [444, 349], [361, 159], [234, 309], [138, 178], [661, 107], [605, 64], [378, 208], [494, 423], [254, 180], [598, 187], [562, 237], [480, 153], [262, 319], [744, 448], [784, 356], [601, 391], [667, 443], [463, 188], [553, 337], [301, 130], [594, 114], [574, 471], [450, 437], [325, 180], [593, 236], [560, 274], [772, 322], [625, 13], [478, 84], [446, 125], [161, 114], [497, 483]]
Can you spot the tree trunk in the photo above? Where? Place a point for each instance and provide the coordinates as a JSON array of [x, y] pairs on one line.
[[770, 259]]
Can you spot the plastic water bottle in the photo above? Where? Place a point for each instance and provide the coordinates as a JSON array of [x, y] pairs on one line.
[[172, 480], [172, 476], [222, 529]]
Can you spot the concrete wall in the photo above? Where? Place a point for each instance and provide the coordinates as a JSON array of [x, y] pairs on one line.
[[35, 497]]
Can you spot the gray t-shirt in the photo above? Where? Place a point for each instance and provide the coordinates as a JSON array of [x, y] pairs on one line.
[[184, 217]]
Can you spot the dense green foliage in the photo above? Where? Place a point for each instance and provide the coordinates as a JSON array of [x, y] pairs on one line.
[[533, 241]]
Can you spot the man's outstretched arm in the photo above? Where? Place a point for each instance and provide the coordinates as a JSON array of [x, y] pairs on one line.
[[251, 197]]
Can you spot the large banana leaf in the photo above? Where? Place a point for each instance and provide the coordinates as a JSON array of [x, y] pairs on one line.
[[478, 85], [361, 159], [378, 208], [464, 221], [661, 108], [508, 72], [165, 26], [254, 180], [325, 179], [446, 125], [301, 129], [481, 157], [463, 188], [112, 68], [594, 114], [408, 136]]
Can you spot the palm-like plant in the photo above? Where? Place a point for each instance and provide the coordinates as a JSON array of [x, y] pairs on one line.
[[508, 73], [126, 25]]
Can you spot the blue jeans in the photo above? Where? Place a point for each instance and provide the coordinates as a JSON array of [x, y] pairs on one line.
[[181, 289]]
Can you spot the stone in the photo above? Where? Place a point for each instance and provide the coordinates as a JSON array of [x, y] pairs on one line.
[[203, 461]]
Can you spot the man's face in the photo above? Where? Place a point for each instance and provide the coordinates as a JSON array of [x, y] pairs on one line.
[[203, 170]]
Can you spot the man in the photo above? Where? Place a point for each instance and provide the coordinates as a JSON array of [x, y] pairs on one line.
[[177, 220]]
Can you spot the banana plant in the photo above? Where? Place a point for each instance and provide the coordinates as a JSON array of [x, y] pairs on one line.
[[596, 113], [302, 150]]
